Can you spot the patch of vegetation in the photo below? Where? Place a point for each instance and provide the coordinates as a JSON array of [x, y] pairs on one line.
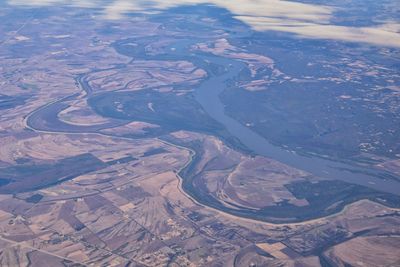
[[324, 197], [311, 118], [34, 198], [330, 196], [7, 102], [30, 177], [172, 112], [154, 151]]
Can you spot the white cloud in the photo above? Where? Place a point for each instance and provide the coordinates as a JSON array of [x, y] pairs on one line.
[[381, 35], [304, 20]]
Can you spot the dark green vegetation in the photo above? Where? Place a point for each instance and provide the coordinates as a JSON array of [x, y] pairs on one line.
[[333, 106], [312, 119], [7, 102], [287, 114], [325, 197], [121, 160], [170, 111], [34, 198], [29, 177], [154, 151], [4, 181], [46, 119]]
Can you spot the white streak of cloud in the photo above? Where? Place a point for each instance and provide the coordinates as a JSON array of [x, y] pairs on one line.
[[304, 20]]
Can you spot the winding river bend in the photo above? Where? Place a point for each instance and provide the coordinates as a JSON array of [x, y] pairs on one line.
[[207, 94]]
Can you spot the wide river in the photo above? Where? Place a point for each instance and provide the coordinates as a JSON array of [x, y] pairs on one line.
[[207, 94]]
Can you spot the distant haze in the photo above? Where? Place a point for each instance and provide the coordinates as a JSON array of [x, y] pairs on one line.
[[304, 20]]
